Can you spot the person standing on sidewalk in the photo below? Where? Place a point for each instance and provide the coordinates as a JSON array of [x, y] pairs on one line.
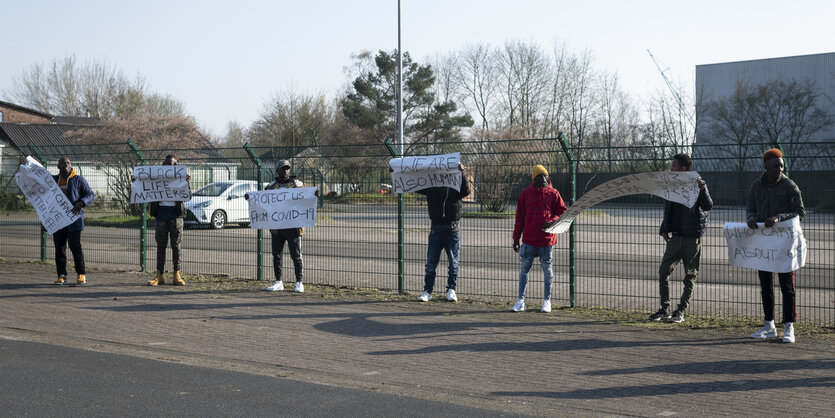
[[80, 194], [445, 206], [169, 224], [538, 207], [686, 225], [775, 198], [292, 236]]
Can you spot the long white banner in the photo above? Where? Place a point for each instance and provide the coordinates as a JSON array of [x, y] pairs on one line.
[[51, 204], [411, 174], [676, 186], [158, 183], [282, 208], [780, 249]]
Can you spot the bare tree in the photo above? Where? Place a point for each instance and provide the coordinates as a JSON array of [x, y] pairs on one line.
[[69, 88], [525, 72], [476, 77], [291, 119]]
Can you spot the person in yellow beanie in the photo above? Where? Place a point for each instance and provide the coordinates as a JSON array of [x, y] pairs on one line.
[[539, 206]]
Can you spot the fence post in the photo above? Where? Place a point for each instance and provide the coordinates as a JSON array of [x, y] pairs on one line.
[[259, 250], [572, 236], [40, 156], [143, 221], [401, 230]]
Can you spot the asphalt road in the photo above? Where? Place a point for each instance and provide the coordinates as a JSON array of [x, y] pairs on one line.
[[47, 380]]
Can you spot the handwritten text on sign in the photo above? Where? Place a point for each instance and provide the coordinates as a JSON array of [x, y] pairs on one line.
[[780, 249], [282, 208], [51, 204], [675, 186], [411, 174], [160, 183]]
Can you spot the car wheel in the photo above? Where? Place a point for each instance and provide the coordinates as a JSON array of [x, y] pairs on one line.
[[218, 219]]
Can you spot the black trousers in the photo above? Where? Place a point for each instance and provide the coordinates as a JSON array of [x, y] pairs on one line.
[[293, 238], [767, 291], [60, 238]]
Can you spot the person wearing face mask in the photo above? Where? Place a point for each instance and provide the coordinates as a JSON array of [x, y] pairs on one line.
[[775, 198], [682, 229], [291, 236], [80, 194], [538, 207]]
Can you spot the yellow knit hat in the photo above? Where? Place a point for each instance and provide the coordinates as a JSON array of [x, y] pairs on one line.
[[537, 170]]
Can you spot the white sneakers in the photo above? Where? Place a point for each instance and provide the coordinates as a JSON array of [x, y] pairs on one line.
[[770, 331], [278, 285], [546, 305], [767, 331], [519, 306], [299, 287], [788, 333], [425, 297], [450, 295]]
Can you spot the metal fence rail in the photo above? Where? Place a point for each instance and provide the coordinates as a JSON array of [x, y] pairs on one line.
[[355, 240]]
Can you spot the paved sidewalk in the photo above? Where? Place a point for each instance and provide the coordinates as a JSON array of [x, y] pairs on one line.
[[466, 353]]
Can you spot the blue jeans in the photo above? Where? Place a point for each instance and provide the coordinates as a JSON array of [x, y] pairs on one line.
[[527, 253], [449, 241]]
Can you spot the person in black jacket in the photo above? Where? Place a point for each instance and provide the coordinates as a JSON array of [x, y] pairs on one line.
[[169, 224], [444, 206], [682, 229]]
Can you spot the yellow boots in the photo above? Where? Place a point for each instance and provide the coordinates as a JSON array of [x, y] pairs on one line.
[[157, 280], [178, 280]]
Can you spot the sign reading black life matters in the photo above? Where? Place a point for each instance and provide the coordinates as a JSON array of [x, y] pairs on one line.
[[282, 208], [410, 174], [157, 183], [51, 204]]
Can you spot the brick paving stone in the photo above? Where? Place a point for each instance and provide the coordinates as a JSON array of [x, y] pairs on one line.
[[471, 354]]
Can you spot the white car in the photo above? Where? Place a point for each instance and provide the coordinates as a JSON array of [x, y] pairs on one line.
[[220, 203]]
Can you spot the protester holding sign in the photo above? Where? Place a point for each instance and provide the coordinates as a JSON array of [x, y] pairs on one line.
[[775, 198], [538, 208], [292, 236], [169, 224], [682, 229], [444, 205], [80, 196]]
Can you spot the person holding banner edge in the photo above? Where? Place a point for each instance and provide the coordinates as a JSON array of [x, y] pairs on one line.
[[169, 224], [538, 207], [775, 198], [292, 236], [444, 206], [80, 195], [686, 225]]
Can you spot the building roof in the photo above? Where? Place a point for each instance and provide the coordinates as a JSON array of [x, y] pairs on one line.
[[43, 135], [25, 109], [75, 120]]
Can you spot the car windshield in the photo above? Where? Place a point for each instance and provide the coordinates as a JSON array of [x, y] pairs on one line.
[[214, 189]]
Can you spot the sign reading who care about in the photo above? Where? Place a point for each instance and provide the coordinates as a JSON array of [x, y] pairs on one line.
[[675, 186], [781, 248], [410, 174], [51, 204], [158, 183], [282, 208]]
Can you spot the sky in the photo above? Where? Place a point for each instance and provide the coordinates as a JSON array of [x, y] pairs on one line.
[[225, 59]]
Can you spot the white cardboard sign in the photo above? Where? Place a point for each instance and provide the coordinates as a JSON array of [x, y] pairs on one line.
[[779, 249], [676, 186], [157, 183], [282, 208], [51, 204], [411, 174]]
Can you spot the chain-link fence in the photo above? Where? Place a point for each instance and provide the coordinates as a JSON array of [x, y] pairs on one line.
[[355, 242]]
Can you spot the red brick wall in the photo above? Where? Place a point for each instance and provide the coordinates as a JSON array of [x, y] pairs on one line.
[[11, 115]]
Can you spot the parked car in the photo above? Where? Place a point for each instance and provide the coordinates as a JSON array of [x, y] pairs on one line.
[[220, 203]]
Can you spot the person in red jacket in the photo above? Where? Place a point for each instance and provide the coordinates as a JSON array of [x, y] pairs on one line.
[[538, 207]]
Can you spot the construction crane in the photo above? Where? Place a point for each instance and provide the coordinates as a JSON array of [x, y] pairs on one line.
[[673, 90]]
